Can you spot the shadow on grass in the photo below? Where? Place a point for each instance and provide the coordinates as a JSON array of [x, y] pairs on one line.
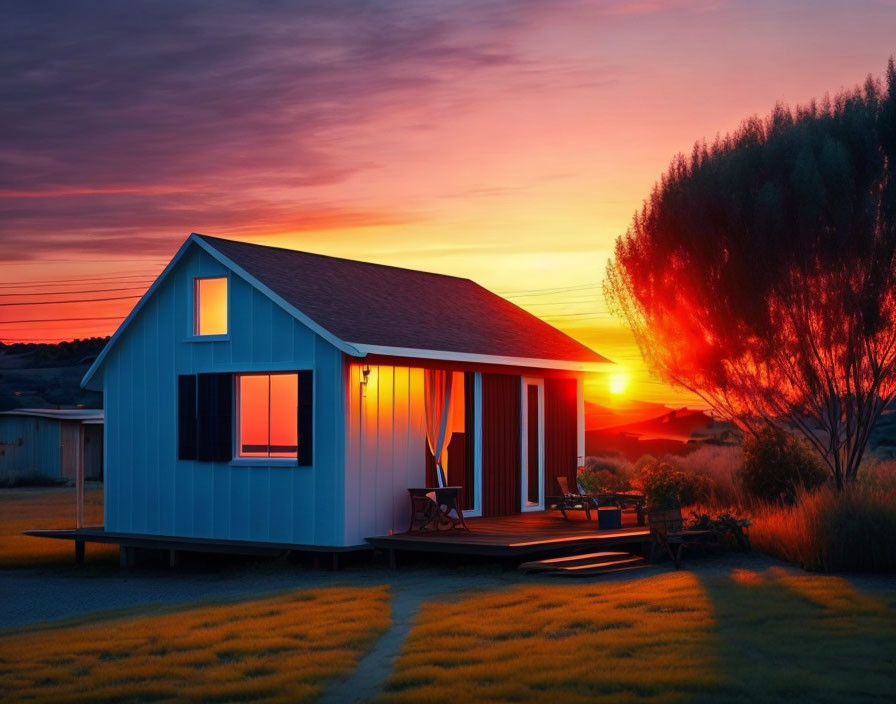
[[802, 637]]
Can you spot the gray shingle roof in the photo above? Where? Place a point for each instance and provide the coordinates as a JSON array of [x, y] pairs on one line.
[[372, 304]]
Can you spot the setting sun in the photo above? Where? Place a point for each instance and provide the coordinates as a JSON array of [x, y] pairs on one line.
[[618, 383]]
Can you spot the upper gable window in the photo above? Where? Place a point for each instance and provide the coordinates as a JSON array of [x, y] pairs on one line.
[[210, 306]]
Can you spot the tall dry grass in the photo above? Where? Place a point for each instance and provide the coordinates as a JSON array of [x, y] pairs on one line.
[[720, 464], [854, 531]]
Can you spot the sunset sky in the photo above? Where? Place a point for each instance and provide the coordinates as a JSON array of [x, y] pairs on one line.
[[508, 142]]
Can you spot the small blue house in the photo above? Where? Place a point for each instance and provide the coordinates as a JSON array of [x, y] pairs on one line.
[[263, 394], [50, 443]]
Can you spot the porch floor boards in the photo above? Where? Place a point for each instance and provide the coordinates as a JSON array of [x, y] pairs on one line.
[[519, 535]]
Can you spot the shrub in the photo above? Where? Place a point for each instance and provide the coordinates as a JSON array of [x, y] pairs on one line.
[[721, 464], [777, 465], [730, 527], [605, 473], [854, 530], [665, 486]]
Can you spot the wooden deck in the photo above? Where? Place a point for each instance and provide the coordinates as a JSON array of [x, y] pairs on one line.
[[521, 535], [175, 544]]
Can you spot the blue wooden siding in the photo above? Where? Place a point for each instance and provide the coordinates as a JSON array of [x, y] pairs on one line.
[[386, 449], [148, 490], [29, 446]]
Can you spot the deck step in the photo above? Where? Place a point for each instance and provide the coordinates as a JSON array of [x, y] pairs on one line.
[[572, 560], [585, 565]]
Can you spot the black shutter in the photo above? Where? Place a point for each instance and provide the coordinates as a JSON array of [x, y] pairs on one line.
[[215, 418], [306, 418], [186, 417]]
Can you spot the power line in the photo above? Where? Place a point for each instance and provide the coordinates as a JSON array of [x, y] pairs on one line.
[[82, 280], [549, 293], [88, 290], [596, 316], [61, 320], [74, 300], [567, 302], [553, 288], [32, 262]]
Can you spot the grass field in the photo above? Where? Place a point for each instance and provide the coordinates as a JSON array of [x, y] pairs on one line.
[[728, 631], [274, 649], [46, 508], [741, 637]]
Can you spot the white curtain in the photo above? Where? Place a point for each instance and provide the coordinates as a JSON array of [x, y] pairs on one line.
[[437, 400]]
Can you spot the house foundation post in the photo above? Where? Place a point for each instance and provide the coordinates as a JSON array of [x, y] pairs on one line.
[[79, 552], [127, 557]]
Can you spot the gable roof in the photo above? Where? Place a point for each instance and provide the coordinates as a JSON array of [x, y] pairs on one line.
[[363, 308]]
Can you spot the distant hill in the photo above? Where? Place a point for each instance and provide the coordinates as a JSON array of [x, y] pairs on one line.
[[639, 428], [36, 375]]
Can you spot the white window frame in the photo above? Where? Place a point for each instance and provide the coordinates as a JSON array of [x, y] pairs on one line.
[[237, 457], [525, 382], [194, 323]]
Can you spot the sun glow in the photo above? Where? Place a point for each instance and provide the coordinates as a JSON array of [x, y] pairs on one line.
[[618, 383]]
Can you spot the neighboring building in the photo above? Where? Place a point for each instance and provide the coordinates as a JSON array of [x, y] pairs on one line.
[[49, 443], [263, 394]]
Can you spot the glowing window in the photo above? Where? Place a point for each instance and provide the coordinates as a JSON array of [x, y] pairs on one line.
[[267, 418], [210, 306]]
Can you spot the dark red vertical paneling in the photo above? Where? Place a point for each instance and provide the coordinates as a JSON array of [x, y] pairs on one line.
[[457, 460], [431, 479], [500, 445], [532, 435], [560, 433]]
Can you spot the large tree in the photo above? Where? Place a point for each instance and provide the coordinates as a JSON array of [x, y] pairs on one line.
[[761, 271]]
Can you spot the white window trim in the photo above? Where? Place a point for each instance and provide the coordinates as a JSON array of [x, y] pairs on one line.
[[248, 460], [194, 335], [477, 447], [525, 382]]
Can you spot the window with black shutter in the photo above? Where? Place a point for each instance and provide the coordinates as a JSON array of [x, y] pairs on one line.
[[271, 415]]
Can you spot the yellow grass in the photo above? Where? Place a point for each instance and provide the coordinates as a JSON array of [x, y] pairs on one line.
[[651, 641], [275, 649], [739, 637], [46, 508]]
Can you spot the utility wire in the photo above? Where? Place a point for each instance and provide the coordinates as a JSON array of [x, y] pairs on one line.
[[61, 320], [82, 280], [553, 288], [62, 293], [74, 300], [549, 293]]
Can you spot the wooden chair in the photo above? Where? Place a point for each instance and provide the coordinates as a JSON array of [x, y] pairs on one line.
[[667, 534], [569, 501], [436, 509]]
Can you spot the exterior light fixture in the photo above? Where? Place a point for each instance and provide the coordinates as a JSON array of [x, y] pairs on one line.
[[365, 375]]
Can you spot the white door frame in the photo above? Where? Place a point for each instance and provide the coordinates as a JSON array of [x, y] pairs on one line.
[[476, 437], [525, 382]]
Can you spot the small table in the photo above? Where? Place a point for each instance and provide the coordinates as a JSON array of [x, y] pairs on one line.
[[435, 509], [624, 499]]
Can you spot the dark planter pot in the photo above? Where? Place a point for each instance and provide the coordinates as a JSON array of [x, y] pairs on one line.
[[609, 517]]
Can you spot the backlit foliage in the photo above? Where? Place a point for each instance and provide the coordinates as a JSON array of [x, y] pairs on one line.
[[761, 272], [277, 649]]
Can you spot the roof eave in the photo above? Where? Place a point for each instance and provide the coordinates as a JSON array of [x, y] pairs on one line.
[[469, 357]]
